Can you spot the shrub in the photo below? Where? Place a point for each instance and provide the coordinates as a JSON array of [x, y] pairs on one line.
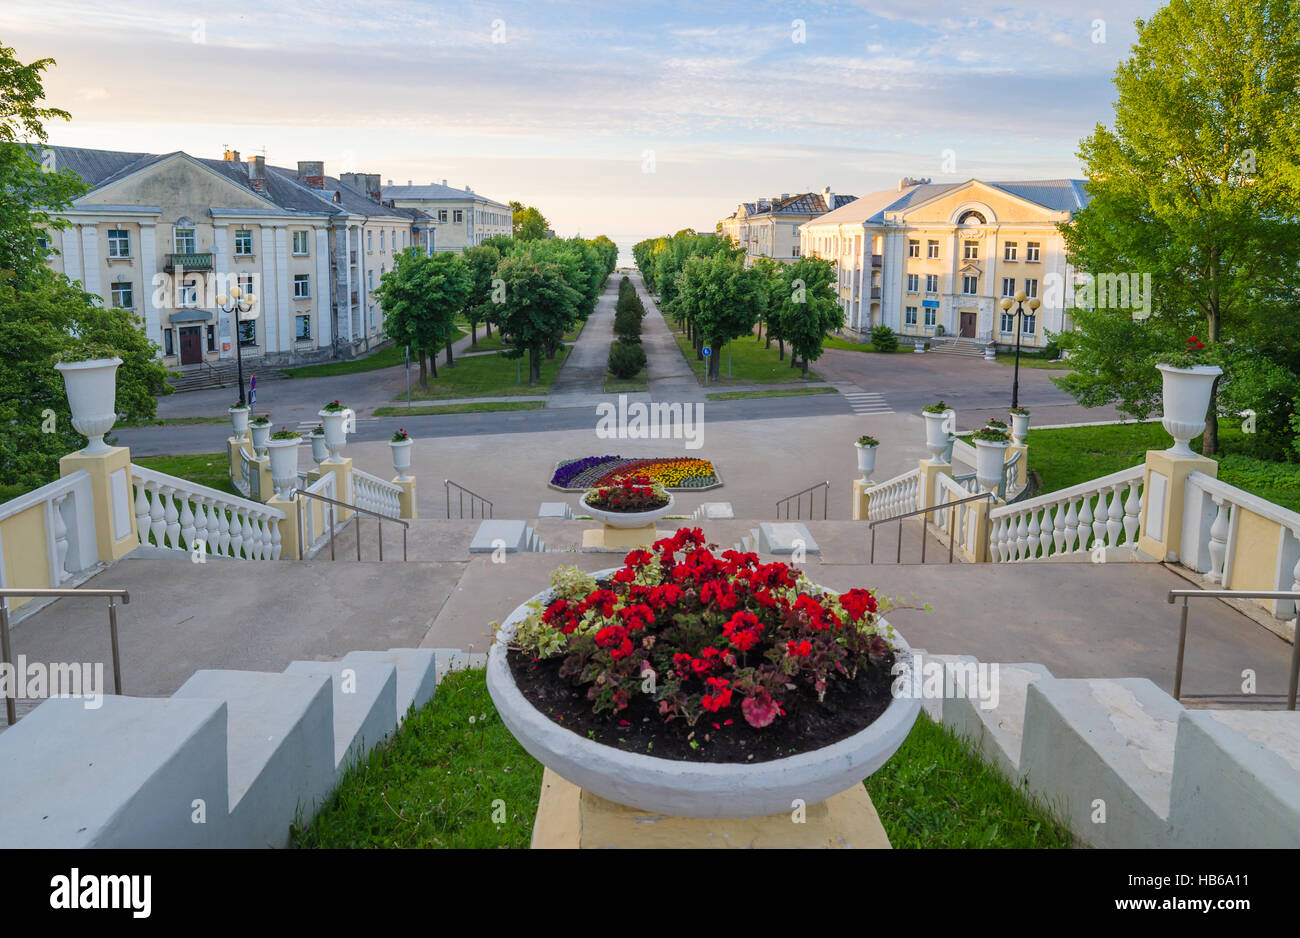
[[627, 325], [626, 359], [939, 408], [883, 339], [868, 441]]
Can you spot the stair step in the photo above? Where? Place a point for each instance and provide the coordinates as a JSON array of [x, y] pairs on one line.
[[365, 704], [74, 777], [453, 659], [279, 748], [997, 733], [417, 674]]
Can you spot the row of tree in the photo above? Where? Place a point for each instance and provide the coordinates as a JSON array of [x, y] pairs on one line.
[[626, 356]]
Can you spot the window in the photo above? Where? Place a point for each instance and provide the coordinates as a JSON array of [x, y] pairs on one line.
[[909, 316], [1028, 323], [245, 282], [929, 317], [442, 214], [405, 235], [970, 285], [971, 218], [972, 251], [119, 243], [370, 279], [1031, 287], [1009, 251], [247, 332], [123, 296], [913, 283], [169, 347], [381, 240], [932, 249], [243, 243], [301, 286], [212, 338], [187, 294], [913, 248], [370, 241], [43, 242], [1008, 323], [931, 283], [184, 241], [300, 242], [794, 230], [303, 328], [795, 251], [1008, 286], [459, 216], [1031, 251]]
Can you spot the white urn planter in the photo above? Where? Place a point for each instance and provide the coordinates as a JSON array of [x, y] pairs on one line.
[[989, 460], [319, 451], [694, 789], [866, 460], [91, 386], [1186, 396], [284, 464], [1019, 428], [626, 519], [261, 434], [990, 353], [336, 436], [938, 429], [239, 421], [402, 457]]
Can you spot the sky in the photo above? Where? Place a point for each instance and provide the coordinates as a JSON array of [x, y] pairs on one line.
[[625, 119]]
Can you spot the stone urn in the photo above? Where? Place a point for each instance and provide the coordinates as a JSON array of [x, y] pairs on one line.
[[626, 519], [402, 457], [319, 450], [1019, 428], [1186, 395], [990, 457], [239, 420], [694, 789], [284, 463], [336, 435], [938, 429], [866, 460], [990, 353], [261, 434], [91, 386]]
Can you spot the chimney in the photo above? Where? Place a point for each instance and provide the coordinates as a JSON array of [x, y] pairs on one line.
[[365, 182], [230, 156], [257, 173], [312, 173], [390, 182], [784, 196], [444, 182], [410, 182], [829, 198]]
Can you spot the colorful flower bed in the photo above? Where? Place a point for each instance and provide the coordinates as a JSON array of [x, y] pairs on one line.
[[671, 472]]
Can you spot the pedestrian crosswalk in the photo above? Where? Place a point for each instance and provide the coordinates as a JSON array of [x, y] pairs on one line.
[[866, 402]]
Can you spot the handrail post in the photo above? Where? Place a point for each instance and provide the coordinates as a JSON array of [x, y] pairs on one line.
[[403, 543], [898, 558], [1182, 644], [356, 530], [298, 503], [6, 657], [112, 632], [1295, 670], [873, 544], [331, 531]]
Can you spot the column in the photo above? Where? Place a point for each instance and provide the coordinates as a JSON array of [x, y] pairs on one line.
[[324, 327], [284, 330], [72, 253], [221, 268], [148, 272], [268, 294], [90, 259]]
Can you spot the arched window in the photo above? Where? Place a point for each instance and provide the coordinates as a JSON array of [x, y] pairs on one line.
[[971, 218]]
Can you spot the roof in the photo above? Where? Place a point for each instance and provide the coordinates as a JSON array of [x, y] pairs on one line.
[[1057, 195], [436, 193], [802, 203]]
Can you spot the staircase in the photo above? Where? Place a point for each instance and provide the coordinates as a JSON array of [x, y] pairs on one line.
[[221, 375], [969, 348]]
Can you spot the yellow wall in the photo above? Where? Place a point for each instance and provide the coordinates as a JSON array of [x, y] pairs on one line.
[[26, 553]]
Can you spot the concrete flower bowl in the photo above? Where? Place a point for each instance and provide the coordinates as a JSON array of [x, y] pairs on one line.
[[626, 519], [693, 789]]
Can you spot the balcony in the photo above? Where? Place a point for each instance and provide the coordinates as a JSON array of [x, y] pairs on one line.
[[192, 261]]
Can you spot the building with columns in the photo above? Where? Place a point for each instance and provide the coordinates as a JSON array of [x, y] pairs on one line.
[[464, 217], [932, 259], [164, 235], [770, 227]]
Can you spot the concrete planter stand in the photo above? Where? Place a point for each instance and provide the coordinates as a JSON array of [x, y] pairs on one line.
[[866, 460], [622, 530], [92, 395], [1186, 396]]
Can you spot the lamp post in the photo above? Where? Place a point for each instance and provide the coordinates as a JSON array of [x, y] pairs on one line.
[[237, 304], [1019, 301]]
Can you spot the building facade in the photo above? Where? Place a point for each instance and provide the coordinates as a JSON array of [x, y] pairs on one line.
[[165, 235], [464, 217], [931, 259], [771, 227]]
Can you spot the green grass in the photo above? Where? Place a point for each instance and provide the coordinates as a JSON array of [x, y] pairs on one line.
[[486, 376], [210, 469], [774, 392], [1063, 458], [638, 382], [386, 357], [434, 784], [1033, 360], [490, 343], [934, 794], [834, 341], [471, 407], [751, 363], [174, 421]]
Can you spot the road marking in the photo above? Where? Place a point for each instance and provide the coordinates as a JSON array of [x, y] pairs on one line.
[[865, 403]]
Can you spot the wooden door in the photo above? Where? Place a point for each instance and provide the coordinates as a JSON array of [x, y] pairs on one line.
[[191, 345], [968, 325]]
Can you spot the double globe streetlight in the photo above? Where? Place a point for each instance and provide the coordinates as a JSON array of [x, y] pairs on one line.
[[238, 303], [1019, 302]]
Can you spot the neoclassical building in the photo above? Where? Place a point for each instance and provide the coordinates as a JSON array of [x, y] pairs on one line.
[[164, 235], [464, 217], [936, 259], [770, 227]]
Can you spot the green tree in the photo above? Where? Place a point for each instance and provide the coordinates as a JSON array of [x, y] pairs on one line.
[[540, 306], [529, 223], [770, 271], [481, 263], [809, 308], [420, 297], [723, 297], [1196, 185]]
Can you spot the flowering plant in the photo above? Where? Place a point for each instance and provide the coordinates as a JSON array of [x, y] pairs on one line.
[[868, 441], [1193, 353], [333, 407], [401, 436], [628, 494], [937, 408], [1019, 412], [284, 433], [991, 435], [318, 430], [700, 633], [261, 420]]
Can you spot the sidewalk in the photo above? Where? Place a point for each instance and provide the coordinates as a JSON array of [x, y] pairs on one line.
[[581, 380]]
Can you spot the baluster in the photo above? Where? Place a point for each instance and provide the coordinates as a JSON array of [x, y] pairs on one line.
[[201, 520], [1022, 534], [1099, 520], [995, 540], [1045, 538], [1058, 527], [1071, 527], [1114, 523], [1132, 514], [172, 518], [274, 524], [187, 524], [1218, 540], [223, 531], [141, 514], [157, 524], [60, 540], [1032, 543], [1085, 523], [236, 534]]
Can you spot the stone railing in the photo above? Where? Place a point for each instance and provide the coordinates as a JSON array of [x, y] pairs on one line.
[[50, 532], [174, 514], [1071, 522], [894, 497], [315, 514], [960, 520], [376, 494]]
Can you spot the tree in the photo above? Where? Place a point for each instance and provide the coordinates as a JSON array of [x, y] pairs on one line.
[[540, 305], [529, 223], [724, 298], [420, 297], [481, 263], [809, 308], [1196, 185], [770, 271]]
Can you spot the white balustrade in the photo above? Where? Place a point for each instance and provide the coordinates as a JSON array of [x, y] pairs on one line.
[[376, 494], [1102, 512], [175, 514], [959, 521], [326, 485], [893, 497], [67, 511]]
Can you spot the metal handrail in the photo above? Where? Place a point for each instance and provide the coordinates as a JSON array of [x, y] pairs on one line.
[[922, 511], [447, 485], [358, 510], [1236, 594], [797, 498], [6, 653]]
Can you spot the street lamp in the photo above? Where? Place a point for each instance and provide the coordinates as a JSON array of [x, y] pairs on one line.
[[238, 303], [1020, 312]]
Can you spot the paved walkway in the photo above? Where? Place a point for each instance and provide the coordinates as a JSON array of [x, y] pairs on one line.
[[581, 380], [671, 376]]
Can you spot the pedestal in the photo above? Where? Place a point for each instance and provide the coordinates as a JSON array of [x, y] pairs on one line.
[[110, 481], [406, 500], [606, 538], [861, 500], [570, 818], [1162, 500], [342, 484]]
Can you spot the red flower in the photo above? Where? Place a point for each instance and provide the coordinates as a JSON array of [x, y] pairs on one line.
[[799, 649], [858, 602], [715, 702]]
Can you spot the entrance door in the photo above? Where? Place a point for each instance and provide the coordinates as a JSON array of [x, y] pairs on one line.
[[191, 345], [968, 325]]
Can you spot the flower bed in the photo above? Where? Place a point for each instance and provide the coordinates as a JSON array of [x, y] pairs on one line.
[[674, 473], [629, 494]]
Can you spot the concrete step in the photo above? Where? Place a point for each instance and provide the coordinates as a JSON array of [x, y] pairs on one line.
[[996, 733], [1094, 746], [453, 659], [936, 707], [279, 749], [712, 511], [417, 674], [365, 704], [128, 774]]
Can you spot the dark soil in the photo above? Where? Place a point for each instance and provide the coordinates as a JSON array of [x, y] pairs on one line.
[[849, 706]]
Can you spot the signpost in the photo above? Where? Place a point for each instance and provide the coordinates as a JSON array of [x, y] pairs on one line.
[[252, 390], [707, 371], [408, 377]]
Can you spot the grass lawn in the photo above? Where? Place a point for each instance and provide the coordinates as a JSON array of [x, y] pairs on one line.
[[1067, 457], [750, 363], [486, 376], [472, 407], [386, 357], [174, 421], [210, 469], [1031, 361], [435, 782], [638, 382], [774, 392], [834, 341], [491, 343]]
